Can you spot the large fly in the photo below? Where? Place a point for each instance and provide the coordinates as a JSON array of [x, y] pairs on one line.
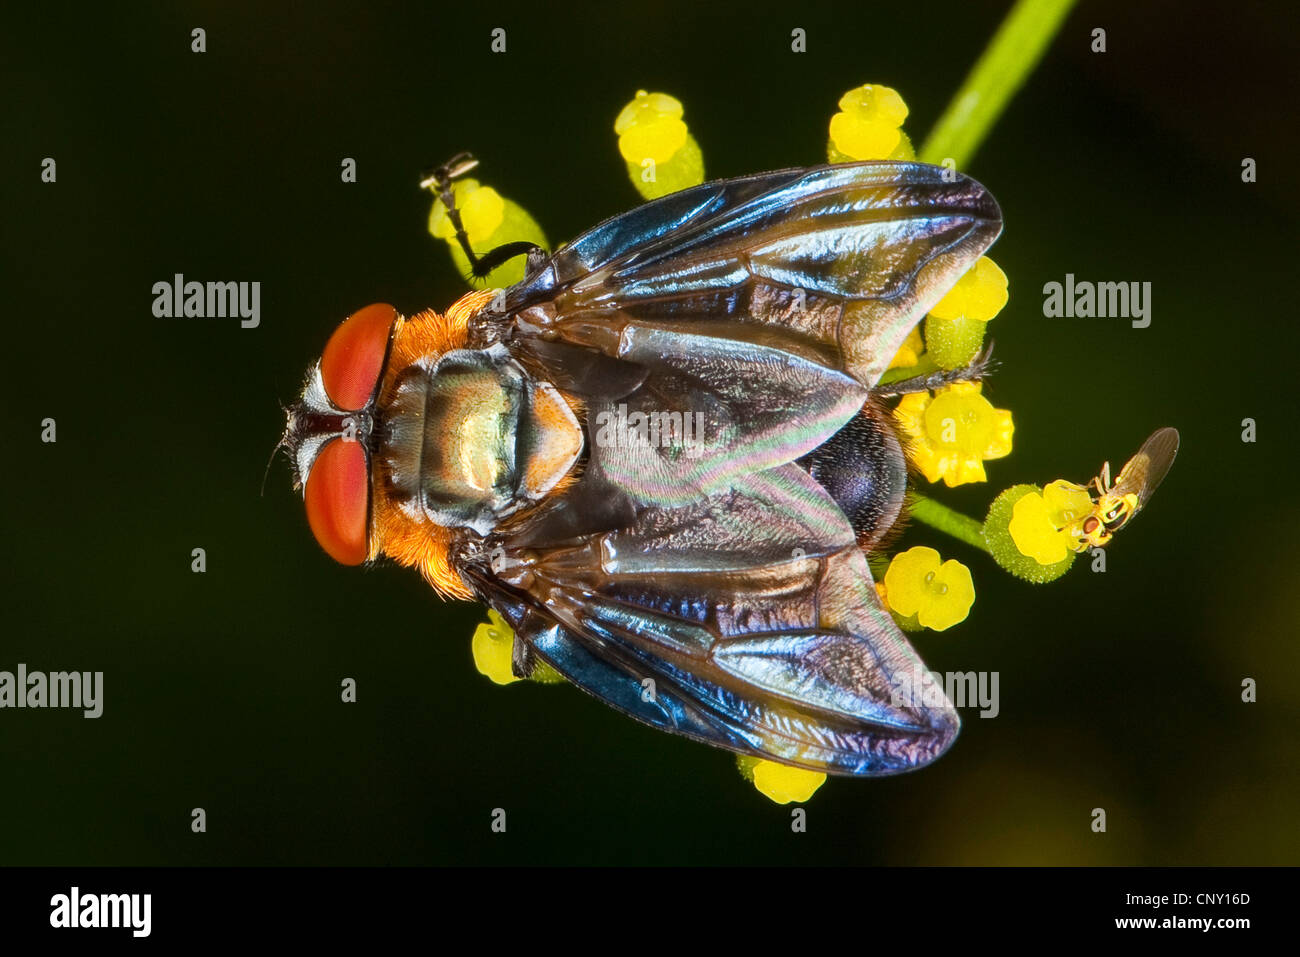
[[530, 447]]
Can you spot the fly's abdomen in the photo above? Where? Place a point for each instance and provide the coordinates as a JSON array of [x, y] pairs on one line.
[[863, 468]]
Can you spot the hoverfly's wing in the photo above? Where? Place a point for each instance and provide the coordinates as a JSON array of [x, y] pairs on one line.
[[836, 263], [755, 313], [1144, 472], [747, 620]]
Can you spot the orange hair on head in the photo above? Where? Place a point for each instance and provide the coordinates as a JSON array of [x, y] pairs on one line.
[[429, 334], [418, 542]]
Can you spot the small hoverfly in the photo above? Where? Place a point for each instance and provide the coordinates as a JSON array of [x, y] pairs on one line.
[[664, 455], [1115, 504]]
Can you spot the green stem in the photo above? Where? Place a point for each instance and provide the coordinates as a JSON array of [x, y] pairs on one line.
[[959, 526], [1005, 64]]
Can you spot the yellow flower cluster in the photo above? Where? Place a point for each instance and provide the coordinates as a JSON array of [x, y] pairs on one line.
[[481, 211], [955, 327], [651, 127]]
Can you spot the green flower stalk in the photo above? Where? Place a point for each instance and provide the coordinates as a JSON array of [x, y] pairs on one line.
[[939, 516], [1003, 68]]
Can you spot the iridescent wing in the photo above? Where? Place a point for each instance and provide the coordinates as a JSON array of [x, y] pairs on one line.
[[713, 588], [834, 262], [770, 304], [746, 620], [1143, 473]]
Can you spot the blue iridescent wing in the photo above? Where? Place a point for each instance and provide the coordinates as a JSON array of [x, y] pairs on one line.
[[763, 308], [746, 620], [836, 263]]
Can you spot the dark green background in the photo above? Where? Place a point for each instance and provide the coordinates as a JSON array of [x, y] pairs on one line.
[[1119, 691]]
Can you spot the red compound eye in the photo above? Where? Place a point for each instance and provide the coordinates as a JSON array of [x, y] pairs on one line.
[[338, 501], [353, 359]]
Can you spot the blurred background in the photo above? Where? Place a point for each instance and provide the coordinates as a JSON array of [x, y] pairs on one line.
[[1119, 690]]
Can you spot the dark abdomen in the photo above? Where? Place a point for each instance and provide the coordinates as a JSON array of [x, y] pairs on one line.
[[863, 468]]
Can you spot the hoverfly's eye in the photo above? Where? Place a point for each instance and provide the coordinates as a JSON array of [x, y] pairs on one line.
[[353, 359], [338, 501]]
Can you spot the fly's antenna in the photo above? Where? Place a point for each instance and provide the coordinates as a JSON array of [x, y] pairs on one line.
[[282, 444]]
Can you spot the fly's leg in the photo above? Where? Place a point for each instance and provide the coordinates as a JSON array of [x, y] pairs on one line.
[[523, 660], [440, 180], [1102, 482], [975, 371]]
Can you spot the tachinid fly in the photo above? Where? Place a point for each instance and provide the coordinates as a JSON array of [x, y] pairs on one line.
[[664, 454]]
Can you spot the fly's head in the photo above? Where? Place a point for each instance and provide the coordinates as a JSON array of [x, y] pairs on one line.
[[1111, 512], [330, 432], [405, 442]]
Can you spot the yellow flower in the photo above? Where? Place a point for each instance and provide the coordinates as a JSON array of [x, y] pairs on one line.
[[650, 126], [940, 595], [780, 782], [867, 126], [492, 646], [1069, 504], [905, 622], [909, 353], [1033, 532], [661, 155], [979, 294], [1046, 526], [953, 432]]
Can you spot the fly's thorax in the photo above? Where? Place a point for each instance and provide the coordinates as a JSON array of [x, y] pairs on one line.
[[1111, 513], [469, 438]]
